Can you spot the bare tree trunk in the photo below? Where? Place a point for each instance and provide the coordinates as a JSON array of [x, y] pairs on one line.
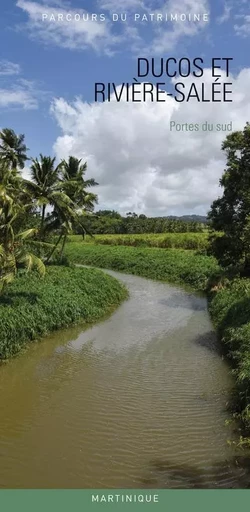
[[63, 245], [54, 248], [42, 220]]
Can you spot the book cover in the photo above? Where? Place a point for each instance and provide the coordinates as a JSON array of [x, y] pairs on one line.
[[124, 247]]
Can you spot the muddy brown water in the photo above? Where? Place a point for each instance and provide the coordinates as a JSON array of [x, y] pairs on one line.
[[137, 401]]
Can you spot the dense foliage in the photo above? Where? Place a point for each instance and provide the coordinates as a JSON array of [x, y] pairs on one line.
[[230, 305], [32, 307], [60, 190], [174, 266], [231, 212], [14, 202], [111, 222], [230, 311]]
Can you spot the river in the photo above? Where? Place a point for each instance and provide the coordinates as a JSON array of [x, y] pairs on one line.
[[138, 401]]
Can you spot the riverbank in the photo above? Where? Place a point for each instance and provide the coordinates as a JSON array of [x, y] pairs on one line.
[[32, 307], [229, 305], [229, 308], [174, 266]]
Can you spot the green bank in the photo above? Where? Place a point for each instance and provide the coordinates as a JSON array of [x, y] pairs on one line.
[[33, 306], [229, 308], [174, 266]]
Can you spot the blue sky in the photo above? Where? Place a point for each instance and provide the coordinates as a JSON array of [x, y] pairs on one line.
[[42, 61]]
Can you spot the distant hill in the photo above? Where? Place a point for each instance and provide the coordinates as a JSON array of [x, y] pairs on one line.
[[190, 218]]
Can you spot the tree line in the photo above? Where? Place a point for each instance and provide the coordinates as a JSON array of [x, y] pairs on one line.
[[105, 222]]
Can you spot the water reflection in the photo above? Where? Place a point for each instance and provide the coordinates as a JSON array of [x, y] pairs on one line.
[[138, 400], [228, 474]]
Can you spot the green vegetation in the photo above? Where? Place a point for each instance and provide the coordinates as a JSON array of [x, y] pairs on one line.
[[230, 311], [229, 299], [165, 241], [174, 266], [38, 216], [111, 222], [61, 187], [13, 198], [230, 306], [231, 212], [32, 306]]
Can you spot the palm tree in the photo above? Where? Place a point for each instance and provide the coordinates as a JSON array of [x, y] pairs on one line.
[[72, 175], [13, 253], [63, 225], [73, 183], [13, 249], [12, 148], [45, 190]]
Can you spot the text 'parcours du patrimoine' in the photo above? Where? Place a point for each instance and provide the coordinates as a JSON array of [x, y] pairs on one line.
[[219, 89]]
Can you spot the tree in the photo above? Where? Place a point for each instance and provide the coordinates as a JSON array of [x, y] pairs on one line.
[[230, 213], [72, 182], [72, 177], [45, 190], [13, 249], [13, 149], [108, 213]]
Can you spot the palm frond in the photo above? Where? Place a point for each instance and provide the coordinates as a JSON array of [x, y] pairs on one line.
[[27, 234]]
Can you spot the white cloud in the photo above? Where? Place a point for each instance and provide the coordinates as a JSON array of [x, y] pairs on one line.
[[15, 91], [22, 94], [72, 34], [57, 3], [125, 5], [242, 15], [26, 173], [243, 28], [166, 40], [225, 16], [8, 68], [102, 36], [142, 166]]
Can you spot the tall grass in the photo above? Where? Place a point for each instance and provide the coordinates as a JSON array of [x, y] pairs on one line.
[[175, 266], [193, 241], [32, 306]]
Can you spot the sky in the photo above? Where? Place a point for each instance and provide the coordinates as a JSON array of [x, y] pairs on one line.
[[50, 62]]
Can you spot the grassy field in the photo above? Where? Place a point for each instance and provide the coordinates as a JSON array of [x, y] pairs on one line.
[[175, 265], [164, 241], [34, 306]]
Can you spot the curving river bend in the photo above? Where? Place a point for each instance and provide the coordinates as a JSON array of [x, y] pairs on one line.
[[137, 401]]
